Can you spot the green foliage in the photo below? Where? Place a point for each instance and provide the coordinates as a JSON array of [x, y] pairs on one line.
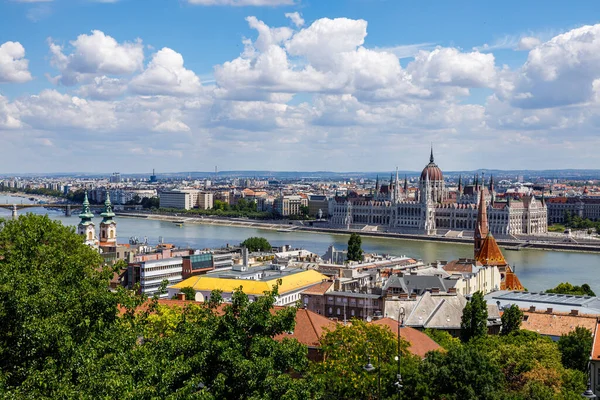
[[463, 373], [190, 293], [304, 210], [53, 301], [347, 350], [443, 338], [511, 320], [150, 202], [575, 348], [474, 319], [256, 244], [567, 288], [355, 251]]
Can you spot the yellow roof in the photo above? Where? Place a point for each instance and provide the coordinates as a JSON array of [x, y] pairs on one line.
[[288, 283]]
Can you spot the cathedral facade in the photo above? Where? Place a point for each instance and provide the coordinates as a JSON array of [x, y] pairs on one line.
[[432, 211]]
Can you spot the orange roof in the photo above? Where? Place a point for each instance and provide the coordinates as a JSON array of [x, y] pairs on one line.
[[309, 328], [596, 346], [319, 288], [490, 253], [419, 343], [511, 281], [556, 324]]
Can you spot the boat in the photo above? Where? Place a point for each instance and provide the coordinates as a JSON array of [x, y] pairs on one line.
[[513, 248]]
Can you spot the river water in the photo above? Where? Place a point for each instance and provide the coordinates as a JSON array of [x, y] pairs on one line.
[[537, 269]]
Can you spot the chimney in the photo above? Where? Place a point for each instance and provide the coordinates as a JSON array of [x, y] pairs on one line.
[[413, 296], [452, 290], [180, 296], [549, 310], [531, 308], [435, 290], [574, 312], [336, 285], [403, 295]]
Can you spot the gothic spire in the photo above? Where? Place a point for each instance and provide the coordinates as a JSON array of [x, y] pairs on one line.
[[460, 184], [491, 183], [405, 185], [377, 185], [431, 155], [481, 229]]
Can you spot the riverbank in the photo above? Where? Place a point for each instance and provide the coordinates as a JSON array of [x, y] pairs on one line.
[[283, 227]]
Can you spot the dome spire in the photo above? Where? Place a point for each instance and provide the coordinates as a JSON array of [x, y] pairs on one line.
[[431, 155]]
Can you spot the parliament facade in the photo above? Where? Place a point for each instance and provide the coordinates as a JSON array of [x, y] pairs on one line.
[[433, 210]]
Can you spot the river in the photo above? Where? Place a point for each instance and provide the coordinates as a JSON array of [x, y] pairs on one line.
[[537, 269]]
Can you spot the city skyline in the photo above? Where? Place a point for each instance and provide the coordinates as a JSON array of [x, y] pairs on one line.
[[293, 85]]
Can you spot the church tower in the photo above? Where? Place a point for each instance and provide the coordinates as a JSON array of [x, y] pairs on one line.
[[481, 229], [86, 226], [108, 226]]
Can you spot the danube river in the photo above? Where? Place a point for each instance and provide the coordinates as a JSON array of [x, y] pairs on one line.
[[537, 269]]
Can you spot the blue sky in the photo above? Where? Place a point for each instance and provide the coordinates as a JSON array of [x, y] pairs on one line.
[[100, 86]]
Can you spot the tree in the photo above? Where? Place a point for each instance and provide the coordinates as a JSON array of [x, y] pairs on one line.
[[463, 373], [256, 244], [567, 288], [150, 202], [575, 348], [304, 210], [54, 303], [355, 252], [474, 318], [189, 292], [511, 320], [348, 348]]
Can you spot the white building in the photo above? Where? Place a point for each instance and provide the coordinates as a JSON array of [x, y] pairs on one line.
[[205, 200], [153, 273]]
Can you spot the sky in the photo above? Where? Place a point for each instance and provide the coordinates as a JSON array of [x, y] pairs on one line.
[[298, 85]]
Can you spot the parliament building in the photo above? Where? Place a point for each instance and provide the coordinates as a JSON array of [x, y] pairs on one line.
[[433, 210]]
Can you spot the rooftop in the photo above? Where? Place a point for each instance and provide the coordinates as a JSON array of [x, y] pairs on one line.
[[419, 343], [289, 283], [558, 302], [556, 324]]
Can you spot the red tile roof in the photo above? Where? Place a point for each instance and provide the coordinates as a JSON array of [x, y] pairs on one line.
[[556, 324], [596, 346], [319, 288], [309, 328], [419, 342]]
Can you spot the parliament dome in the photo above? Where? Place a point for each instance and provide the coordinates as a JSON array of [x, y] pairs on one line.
[[432, 171]]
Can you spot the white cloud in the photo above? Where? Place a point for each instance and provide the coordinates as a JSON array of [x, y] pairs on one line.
[[449, 66], [13, 65], [560, 71], [166, 75], [103, 88], [171, 126], [8, 115], [241, 3], [528, 43], [405, 51], [94, 55], [296, 18]]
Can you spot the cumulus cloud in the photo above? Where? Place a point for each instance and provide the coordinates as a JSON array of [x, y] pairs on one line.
[[560, 71], [449, 66], [94, 55], [166, 75], [296, 18], [528, 43], [13, 65], [305, 97]]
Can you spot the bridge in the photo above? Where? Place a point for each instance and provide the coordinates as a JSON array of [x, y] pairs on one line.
[[68, 207]]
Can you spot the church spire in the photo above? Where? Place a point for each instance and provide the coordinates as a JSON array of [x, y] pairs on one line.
[[460, 184], [481, 229], [405, 185], [107, 214], [491, 183], [86, 214], [377, 185]]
